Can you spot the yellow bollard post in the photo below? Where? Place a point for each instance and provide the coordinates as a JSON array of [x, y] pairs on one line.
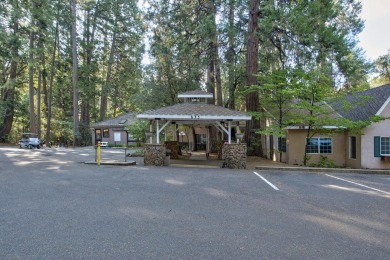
[[98, 154]]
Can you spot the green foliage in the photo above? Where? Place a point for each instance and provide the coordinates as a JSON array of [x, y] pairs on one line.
[[313, 89], [382, 67], [324, 162], [137, 129], [118, 145], [255, 145], [309, 36], [85, 135], [277, 91], [356, 127], [137, 153]]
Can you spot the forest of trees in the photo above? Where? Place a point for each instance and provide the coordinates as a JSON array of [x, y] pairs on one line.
[[66, 64]]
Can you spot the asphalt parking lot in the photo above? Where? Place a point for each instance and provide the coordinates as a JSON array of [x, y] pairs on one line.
[[52, 205]]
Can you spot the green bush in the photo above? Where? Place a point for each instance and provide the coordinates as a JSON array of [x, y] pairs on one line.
[[138, 129], [324, 162], [137, 153]]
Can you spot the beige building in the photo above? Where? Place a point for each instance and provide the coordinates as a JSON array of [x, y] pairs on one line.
[[369, 149]]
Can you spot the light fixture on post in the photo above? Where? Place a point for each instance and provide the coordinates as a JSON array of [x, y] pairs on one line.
[[181, 144], [239, 137], [182, 134]]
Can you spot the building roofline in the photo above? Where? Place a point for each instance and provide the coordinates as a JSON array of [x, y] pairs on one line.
[[383, 106], [307, 127], [194, 117], [189, 95]]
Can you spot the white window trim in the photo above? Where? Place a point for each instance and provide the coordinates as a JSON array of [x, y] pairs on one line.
[[331, 138], [380, 146]]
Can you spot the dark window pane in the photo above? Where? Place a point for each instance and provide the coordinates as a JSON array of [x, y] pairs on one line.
[[325, 145], [106, 133], [98, 134], [312, 145], [352, 147], [282, 147]]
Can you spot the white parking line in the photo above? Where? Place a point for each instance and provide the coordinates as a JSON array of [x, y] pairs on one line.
[[358, 184], [264, 179]]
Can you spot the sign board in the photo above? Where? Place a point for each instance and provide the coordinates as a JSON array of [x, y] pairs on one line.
[[117, 136]]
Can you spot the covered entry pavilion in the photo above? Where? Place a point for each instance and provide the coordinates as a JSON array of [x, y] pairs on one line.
[[194, 111]]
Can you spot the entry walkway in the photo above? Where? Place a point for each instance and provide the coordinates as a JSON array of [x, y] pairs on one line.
[[198, 159]]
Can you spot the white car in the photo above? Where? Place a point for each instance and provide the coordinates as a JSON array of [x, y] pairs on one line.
[[29, 140]]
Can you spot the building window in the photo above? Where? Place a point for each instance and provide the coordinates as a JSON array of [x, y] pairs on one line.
[[98, 134], [201, 140], [319, 145], [282, 144], [106, 133], [131, 138], [385, 145], [117, 136], [352, 147]]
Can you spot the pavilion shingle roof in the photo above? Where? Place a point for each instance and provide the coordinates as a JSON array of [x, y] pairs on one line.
[[362, 105], [116, 121], [188, 109]]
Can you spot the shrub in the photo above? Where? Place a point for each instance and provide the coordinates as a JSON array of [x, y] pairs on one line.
[[324, 162], [137, 153]]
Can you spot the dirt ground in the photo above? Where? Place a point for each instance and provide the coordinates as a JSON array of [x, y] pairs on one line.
[[251, 161]]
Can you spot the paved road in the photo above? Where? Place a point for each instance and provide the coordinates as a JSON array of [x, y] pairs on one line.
[[54, 206]]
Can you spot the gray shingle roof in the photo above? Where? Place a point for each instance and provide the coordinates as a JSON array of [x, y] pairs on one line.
[[116, 121], [189, 110], [362, 105]]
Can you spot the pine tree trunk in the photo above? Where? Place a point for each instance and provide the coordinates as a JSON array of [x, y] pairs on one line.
[[230, 57], [211, 80], [104, 101], [89, 39], [31, 83], [252, 99], [74, 78], [41, 80], [218, 81], [50, 98], [39, 103], [215, 59]]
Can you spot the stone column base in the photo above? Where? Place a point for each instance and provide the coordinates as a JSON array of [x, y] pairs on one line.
[[234, 156], [154, 154]]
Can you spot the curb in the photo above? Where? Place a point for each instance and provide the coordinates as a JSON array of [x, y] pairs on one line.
[[312, 169], [118, 163]]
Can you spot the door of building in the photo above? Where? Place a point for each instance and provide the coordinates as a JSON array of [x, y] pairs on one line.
[[98, 135], [201, 140]]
